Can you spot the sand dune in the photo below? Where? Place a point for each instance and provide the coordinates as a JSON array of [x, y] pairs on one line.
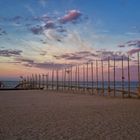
[[43, 115]]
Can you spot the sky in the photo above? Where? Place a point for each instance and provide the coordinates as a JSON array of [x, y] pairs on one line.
[[37, 35]]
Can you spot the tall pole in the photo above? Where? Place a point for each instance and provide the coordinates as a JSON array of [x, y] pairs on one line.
[[52, 78], [114, 77], [138, 75], [128, 78], [32, 81], [97, 75], [64, 78], [92, 76], [122, 78], [39, 81], [87, 76], [62, 82], [35, 80], [109, 76], [57, 80], [43, 84], [71, 77], [78, 77], [102, 77], [84, 77], [47, 76]]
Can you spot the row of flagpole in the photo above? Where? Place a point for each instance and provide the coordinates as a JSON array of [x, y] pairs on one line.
[[79, 77]]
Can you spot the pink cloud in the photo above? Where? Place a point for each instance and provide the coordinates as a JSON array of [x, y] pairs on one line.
[[133, 51], [70, 16]]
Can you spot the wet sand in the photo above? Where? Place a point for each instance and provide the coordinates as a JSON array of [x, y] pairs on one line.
[[42, 115]]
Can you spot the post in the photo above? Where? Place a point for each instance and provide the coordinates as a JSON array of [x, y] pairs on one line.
[[39, 81], [128, 79], [122, 78], [69, 82], [92, 77], [36, 80], [138, 76], [114, 77], [52, 78], [108, 76], [83, 78], [32, 81], [47, 81], [97, 75], [64, 78], [78, 77], [57, 80], [102, 77], [87, 76], [43, 81], [71, 77]]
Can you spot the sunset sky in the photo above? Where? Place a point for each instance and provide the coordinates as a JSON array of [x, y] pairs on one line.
[[36, 35]]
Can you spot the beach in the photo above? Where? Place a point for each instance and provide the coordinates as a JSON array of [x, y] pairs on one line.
[[50, 115]]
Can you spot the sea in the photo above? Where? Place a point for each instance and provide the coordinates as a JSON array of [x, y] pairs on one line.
[[118, 84], [10, 84]]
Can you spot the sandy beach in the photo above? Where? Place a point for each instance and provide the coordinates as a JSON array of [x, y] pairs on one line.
[[44, 115]]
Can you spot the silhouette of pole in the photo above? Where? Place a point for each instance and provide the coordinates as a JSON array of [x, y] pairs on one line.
[[57, 79], [92, 77], [97, 76], [122, 78], [46, 76], [64, 78], [78, 80], [71, 77], [52, 79], [87, 76], [109, 76], [128, 78], [138, 70], [43, 81], [102, 77], [39, 81], [114, 77], [84, 77], [32, 82]]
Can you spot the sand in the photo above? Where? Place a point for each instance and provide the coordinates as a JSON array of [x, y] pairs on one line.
[[43, 115]]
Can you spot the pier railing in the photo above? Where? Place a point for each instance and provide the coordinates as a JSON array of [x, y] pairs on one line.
[[107, 77]]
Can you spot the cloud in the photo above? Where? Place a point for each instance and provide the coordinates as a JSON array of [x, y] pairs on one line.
[[133, 51], [52, 34], [134, 43], [9, 53], [36, 30], [49, 24], [45, 65], [72, 15], [121, 46], [104, 55], [131, 43], [2, 32], [82, 55], [17, 19]]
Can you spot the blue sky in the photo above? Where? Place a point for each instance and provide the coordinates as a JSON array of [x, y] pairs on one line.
[[36, 34]]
